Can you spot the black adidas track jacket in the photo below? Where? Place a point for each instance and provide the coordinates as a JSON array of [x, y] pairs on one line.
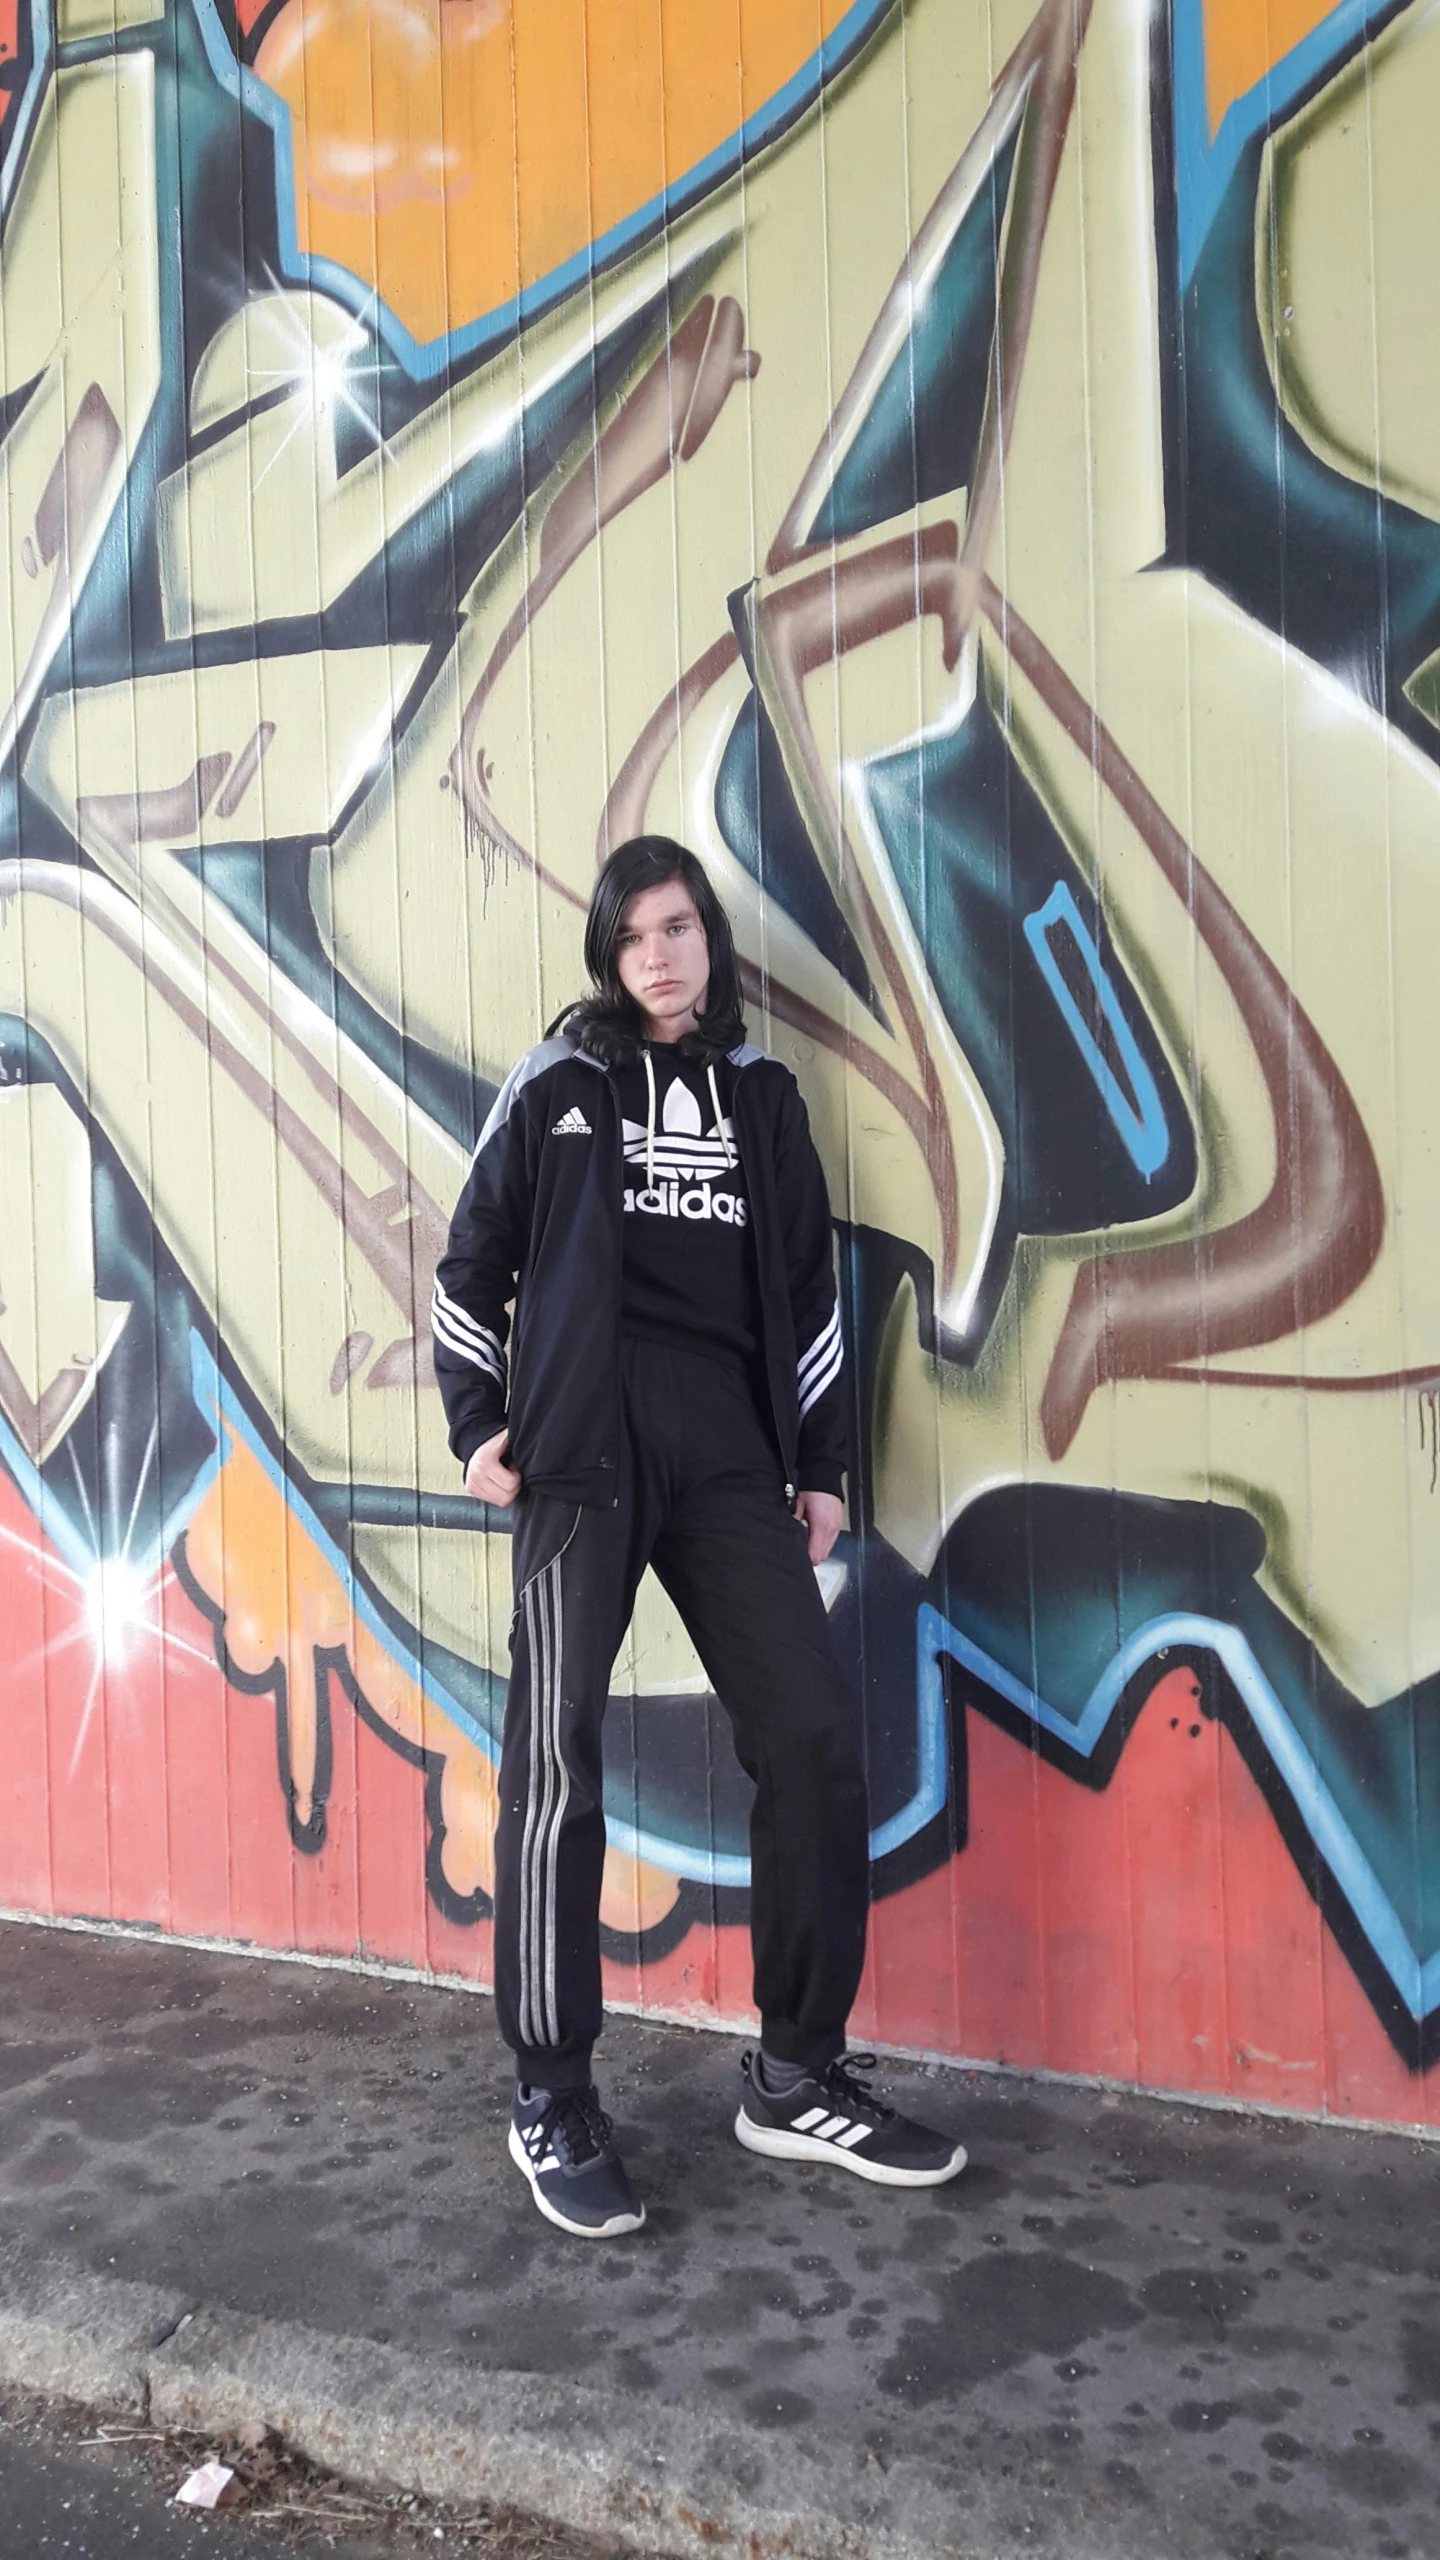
[[539, 1220]]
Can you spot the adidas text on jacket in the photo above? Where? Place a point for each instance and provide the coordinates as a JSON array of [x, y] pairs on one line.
[[539, 1223]]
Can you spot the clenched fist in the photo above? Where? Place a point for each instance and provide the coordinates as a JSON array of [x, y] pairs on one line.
[[487, 1475], [823, 1515]]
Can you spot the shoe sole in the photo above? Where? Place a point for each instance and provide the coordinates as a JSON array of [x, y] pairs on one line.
[[611, 2230], [775, 2142]]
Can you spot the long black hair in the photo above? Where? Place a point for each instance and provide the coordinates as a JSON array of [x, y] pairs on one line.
[[609, 1023]]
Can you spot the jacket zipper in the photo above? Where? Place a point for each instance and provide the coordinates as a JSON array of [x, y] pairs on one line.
[[760, 1282], [613, 1105]]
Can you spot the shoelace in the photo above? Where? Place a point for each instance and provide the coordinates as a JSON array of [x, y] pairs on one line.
[[843, 2089], [576, 2125]]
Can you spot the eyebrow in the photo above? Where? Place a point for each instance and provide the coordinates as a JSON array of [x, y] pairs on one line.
[[673, 915]]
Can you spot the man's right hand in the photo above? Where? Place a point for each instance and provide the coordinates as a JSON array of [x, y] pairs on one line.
[[487, 1475]]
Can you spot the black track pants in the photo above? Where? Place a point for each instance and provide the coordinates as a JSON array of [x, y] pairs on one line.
[[701, 1498]]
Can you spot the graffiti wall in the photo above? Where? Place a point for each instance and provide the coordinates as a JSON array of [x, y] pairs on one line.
[[971, 468]]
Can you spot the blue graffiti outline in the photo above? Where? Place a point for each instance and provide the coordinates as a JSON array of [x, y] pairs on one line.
[[1204, 168], [77, 1552], [423, 360], [1146, 1135], [932, 1776], [1417, 1984], [54, 1522], [217, 1400]]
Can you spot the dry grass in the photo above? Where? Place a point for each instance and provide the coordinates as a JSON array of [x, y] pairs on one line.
[[307, 2509]]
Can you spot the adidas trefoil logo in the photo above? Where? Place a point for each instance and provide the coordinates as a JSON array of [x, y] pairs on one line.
[[573, 1124]]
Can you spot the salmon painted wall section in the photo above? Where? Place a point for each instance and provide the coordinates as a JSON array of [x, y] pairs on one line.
[[971, 469]]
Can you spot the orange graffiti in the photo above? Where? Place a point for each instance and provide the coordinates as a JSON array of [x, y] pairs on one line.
[[1246, 38], [283, 1608], [452, 152]]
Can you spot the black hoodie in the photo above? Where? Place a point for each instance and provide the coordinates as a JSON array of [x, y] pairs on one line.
[[539, 1221]]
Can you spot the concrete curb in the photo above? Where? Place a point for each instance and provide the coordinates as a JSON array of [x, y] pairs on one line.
[[78, 2336], [663, 2479]]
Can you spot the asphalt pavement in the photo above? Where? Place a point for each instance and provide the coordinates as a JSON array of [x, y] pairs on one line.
[[63, 2502], [239, 2188], [76, 2487]]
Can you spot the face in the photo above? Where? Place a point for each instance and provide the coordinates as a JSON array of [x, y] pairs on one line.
[[663, 959]]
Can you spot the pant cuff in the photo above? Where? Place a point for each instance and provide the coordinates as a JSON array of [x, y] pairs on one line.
[[787, 2043], [539, 2067]]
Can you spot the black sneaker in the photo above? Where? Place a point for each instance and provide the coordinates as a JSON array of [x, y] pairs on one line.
[[832, 2116], [561, 2139]]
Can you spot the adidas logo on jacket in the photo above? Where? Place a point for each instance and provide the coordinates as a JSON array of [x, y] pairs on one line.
[[539, 1220]]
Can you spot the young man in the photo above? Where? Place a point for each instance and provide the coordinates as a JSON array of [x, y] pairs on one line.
[[647, 1192]]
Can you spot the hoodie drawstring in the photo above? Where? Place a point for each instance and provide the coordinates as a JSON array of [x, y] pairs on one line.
[[720, 1129]]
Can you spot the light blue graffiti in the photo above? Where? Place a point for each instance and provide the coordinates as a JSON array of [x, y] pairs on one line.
[[1143, 1130], [1205, 163], [423, 362], [1416, 1981]]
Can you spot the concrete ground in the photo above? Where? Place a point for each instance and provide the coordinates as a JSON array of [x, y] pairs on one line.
[[74, 2486], [235, 2190]]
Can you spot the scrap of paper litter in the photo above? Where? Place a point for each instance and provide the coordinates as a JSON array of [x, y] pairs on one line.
[[206, 2487]]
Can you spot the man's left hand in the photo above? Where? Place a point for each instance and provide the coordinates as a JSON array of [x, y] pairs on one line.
[[824, 1517]]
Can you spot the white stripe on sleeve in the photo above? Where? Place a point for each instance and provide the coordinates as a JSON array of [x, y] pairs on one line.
[[479, 1334], [820, 1348], [453, 1340], [822, 1378]]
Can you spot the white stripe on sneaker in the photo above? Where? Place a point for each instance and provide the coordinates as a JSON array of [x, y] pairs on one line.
[[786, 2142]]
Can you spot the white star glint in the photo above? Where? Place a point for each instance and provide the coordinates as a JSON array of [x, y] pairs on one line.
[[117, 1608]]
